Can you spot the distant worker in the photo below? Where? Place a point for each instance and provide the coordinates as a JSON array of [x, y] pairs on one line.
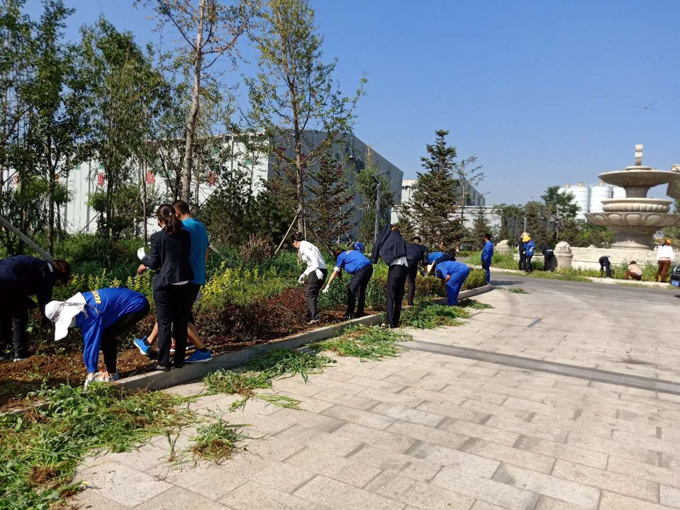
[[548, 256], [416, 255], [102, 315], [522, 252], [361, 269], [20, 277], [454, 274], [391, 247], [529, 249], [633, 272], [605, 266], [315, 274], [664, 255], [487, 255]]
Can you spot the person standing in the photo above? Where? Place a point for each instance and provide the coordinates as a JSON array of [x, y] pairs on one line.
[[102, 315], [548, 256], [522, 252], [664, 255], [20, 277], [315, 274], [200, 249], [605, 266], [416, 254], [633, 272], [487, 256], [529, 249], [391, 247], [454, 274], [361, 269], [170, 257]]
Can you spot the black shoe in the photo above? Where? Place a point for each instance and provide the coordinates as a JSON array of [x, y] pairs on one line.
[[161, 368], [179, 365]]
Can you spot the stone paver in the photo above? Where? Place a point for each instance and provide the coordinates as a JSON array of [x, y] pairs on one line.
[[431, 431]]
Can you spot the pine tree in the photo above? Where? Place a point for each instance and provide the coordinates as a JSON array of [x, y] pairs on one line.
[[480, 227], [434, 198], [331, 203], [405, 222]]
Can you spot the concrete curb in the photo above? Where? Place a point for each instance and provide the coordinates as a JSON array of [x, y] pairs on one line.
[[194, 371]]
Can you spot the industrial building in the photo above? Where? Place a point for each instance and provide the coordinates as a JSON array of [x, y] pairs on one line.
[[474, 197], [591, 198]]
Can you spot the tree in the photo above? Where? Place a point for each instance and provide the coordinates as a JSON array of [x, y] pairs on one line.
[[469, 176], [434, 198], [331, 202], [367, 188], [218, 28], [537, 226], [405, 222], [294, 95], [480, 227], [559, 208], [512, 222]]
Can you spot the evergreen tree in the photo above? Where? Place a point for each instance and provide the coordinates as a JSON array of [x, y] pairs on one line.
[[434, 198], [405, 222], [559, 208], [331, 203], [537, 227], [480, 227]]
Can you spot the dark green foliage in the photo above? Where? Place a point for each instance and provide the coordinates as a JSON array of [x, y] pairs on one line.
[[365, 342], [367, 188], [480, 227], [559, 209], [428, 315], [435, 195]]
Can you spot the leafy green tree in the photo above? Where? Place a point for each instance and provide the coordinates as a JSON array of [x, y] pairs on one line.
[[559, 207], [537, 226], [512, 222], [294, 95], [434, 201], [367, 188]]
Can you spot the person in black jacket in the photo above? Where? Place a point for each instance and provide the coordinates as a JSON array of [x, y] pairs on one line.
[[391, 247], [522, 252], [416, 254], [20, 277], [170, 258]]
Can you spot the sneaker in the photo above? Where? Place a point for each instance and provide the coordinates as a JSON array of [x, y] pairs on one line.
[[161, 368], [91, 377], [143, 346], [19, 359], [312, 321], [199, 357]]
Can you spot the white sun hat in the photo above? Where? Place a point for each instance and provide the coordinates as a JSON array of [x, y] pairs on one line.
[[61, 313]]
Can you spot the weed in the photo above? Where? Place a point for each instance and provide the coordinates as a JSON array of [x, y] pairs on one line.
[[40, 450], [427, 315], [474, 304], [217, 441], [365, 342], [517, 290], [281, 362]]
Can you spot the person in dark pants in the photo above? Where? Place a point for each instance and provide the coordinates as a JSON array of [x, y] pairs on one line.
[[315, 274], [605, 266], [391, 247], [416, 254], [20, 277], [102, 315], [487, 255], [454, 274], [361, 269], [522, 252], [170, 258], [548, 257]]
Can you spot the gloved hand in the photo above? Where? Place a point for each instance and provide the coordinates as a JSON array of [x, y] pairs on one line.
[[325, 290], [301, 280], [319, 274]]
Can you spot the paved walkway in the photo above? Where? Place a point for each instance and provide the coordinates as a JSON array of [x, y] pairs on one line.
[[433, 431]]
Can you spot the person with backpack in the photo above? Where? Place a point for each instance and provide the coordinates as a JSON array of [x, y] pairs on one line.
[[361, 269], [487, 255], [529, 249], [416, 255], [454, 274], [391, 247]]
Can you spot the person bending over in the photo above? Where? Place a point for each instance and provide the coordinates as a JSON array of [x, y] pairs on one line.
[[416, 255], [605, 266], [361, 269], [633, 272], [454, 274], [315, 274], [391, 247]]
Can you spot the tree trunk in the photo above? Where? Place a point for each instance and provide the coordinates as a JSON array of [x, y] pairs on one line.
[[50, 223], [195, 105]]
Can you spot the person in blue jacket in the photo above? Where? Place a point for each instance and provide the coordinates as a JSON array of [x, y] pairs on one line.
[[361, 269], [20, 277], [454, 274], [102, 315], [487, 255], [529, 249]]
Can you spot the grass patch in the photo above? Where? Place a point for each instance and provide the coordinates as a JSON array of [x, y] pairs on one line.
[[40, 450], [276, 363], [217, 442], [427, 315], [517, 290], [365, 342], [473, 304]]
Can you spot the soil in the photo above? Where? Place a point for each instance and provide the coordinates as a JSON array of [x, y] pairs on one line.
[[54, 364]]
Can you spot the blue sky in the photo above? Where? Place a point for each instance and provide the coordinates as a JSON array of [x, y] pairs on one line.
[[544, 92]]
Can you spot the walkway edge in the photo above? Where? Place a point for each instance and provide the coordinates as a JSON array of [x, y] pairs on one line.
[[194, 371]]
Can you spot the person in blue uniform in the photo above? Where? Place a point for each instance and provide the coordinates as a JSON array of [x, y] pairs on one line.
[[436, 257], [487, 255], [416, 255], [361, 269], [102, 315], [529, 249], [454, 274], [20, 277]]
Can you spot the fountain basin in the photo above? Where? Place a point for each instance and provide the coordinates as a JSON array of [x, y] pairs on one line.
[[639, 177], [623, 219], [652, 205]]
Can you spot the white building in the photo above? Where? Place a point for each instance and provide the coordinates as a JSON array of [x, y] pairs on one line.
[[474, 197]]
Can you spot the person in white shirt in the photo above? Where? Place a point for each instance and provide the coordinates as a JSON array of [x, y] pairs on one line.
[[315, 274], [664, 255]]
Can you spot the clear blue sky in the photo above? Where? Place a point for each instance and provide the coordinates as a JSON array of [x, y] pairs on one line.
[[544, 92]]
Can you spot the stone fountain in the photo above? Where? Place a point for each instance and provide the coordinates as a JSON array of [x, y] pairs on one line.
[[636, 218]]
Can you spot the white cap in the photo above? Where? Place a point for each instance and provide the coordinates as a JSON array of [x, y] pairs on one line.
[[61, 313]]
